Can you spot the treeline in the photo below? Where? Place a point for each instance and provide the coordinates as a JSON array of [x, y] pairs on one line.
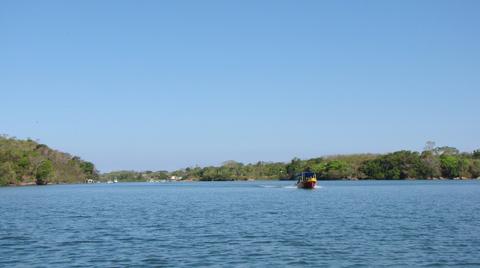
[[433, 162], [232, 170], [134, 176], [28, 162]]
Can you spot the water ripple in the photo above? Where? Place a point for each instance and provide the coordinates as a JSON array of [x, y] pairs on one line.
[[254, 224]]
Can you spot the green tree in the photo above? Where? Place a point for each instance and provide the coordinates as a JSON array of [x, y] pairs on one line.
[[7, 174], [397, 165], [373, 169], [294, 167], [335, 169], [429, 165], [446, 150], [44, 172], [450, 165], [474, 168], [89, 170], [476, 154]]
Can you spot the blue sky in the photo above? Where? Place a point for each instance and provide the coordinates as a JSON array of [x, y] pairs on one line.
[[152, 85]]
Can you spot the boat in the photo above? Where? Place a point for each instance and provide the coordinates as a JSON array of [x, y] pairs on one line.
[[306, 180]]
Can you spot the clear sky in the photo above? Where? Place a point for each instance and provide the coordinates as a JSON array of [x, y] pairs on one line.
[[152, 85]]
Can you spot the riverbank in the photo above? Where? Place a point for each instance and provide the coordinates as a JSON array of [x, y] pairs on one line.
[[26, 162], [255, 180], [433, 163]]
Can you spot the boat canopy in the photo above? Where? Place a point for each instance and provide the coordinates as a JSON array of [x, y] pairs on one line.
[[305, 175], [308, 174]]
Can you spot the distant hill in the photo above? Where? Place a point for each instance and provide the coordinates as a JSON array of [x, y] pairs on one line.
[[24, 162]]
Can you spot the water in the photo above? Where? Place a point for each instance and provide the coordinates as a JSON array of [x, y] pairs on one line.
[[253, 224]]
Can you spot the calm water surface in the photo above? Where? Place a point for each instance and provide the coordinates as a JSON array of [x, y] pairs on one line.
[[254, 224]]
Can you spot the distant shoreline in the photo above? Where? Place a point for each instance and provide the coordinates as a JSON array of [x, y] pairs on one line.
[[27, 162], [220, 181]]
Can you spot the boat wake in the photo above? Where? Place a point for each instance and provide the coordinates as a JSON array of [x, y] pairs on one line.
[[285, 186], [270, 186]]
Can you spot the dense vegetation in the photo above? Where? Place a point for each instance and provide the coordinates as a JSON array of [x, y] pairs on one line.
[[433, 162], [29, 162], [134, 176]]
